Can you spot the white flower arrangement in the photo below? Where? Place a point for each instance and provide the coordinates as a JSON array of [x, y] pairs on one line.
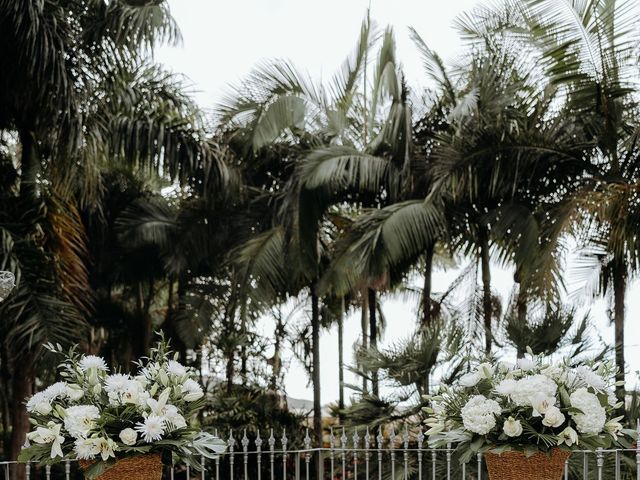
[[533, 406], [100, 417]]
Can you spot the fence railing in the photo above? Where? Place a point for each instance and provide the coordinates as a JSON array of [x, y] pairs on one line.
[[354, 454]]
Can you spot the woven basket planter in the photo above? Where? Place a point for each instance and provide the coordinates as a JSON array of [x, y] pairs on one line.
[[516, 466], [141, 467]]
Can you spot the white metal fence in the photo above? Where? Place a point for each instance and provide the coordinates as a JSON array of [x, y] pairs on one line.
[[350, 454]]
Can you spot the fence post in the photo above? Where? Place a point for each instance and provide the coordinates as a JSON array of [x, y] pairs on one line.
[[259, 454]]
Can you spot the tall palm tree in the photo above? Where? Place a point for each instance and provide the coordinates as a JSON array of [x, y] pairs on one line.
[[75, 88], [588, 49], [280, 109]]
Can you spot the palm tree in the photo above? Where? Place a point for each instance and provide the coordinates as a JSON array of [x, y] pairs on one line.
[[282, 110], [75, 90], [589, 50]]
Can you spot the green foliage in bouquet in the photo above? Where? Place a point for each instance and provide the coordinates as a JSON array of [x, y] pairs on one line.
[[100, 417], [533, 406]]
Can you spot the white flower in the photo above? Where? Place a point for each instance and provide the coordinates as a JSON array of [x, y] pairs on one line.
[[106, 447], [590, 378], [479, 414], [79, 420], [49, 434], [176, 369], [470, 379], [86, 448], [89, 362], [568, 436], [553, 417], [151, 429], [554, 372], [173, 419], [527, 387], [74, 392], [526, 364], [505, 367], [192, 390], [506, 387], [39, 403], [486, 370], [540, 403], [614, 427], [89, 448], [55, 391], [612, 400], [593, 416], [128, 436], [512, 427], [116, 383]]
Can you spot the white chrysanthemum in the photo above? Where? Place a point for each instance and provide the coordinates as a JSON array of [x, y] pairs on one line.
[[55, 391], [506, 387], [176, 368], [39, 403], [528, 387], [526, 364], [479, 414], [80, 419], [192, 390], [151, 429], [590, 378], [593, 416], [116, 383], [86, 448], [91, 361]]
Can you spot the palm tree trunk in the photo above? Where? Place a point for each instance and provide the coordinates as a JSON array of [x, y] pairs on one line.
[[364, 313], [373, 336], [486, 287], [22, 387], [341, 359], [521, 312], [315, 338], [426, 292], [29, 165], [619, 294]]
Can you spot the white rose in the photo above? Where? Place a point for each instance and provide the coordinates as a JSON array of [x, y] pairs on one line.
[[553, 417], [526, 364], [128, 436], [512, 427], [470, 379]]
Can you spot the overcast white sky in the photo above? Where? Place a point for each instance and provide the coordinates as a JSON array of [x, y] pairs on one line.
[[224, 39]]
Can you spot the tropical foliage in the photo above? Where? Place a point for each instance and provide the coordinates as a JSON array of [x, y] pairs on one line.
[[300, 205]]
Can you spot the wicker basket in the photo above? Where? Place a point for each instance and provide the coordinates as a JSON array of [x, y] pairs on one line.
[[141, 467], [516, 466]]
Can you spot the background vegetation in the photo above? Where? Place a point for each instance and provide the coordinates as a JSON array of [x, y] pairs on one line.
[[125, 210]]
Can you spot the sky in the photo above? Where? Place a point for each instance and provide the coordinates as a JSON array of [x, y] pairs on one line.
[[224, 39]]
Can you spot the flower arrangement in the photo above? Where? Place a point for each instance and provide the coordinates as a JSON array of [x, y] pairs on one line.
[[534, 406], [100, 418]]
